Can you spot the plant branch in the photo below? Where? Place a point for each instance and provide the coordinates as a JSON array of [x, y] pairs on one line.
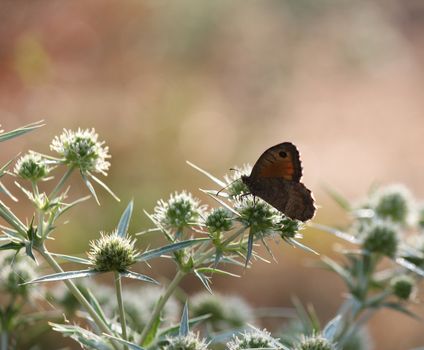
[[161, 303], [118, 288], [76, 292]]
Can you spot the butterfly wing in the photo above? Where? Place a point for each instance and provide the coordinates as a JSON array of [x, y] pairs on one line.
[[291, 198], [281, 160]]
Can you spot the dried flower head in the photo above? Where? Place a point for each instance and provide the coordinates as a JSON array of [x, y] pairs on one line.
[[189, 342], [254, 339], [180, 211], [31, 167], [112, 252], [81, 149]]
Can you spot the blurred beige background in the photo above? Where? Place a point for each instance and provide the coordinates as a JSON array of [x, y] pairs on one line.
[[217, 82]]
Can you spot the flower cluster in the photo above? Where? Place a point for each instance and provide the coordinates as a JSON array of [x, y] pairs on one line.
[[314, 342], [219, 220], [254, 339], [112, 252], [179, 211], [81, 149], [31, 167], [188, 342], [382, 238], [256, 214]]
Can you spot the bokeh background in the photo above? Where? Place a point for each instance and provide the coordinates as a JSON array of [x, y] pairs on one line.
[[217, 82]]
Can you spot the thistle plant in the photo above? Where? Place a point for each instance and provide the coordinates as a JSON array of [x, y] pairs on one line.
[[386, 230]]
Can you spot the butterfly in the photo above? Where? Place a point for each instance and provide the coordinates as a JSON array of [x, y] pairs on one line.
[[275, 178]]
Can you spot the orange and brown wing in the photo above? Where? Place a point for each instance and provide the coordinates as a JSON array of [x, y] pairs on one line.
[[281, 161], [291, 198]]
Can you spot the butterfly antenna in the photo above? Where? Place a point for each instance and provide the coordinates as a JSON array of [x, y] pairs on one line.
[[225, 187]]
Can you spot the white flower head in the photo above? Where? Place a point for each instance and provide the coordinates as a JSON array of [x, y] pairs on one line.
[[82, 149], [31, 167]]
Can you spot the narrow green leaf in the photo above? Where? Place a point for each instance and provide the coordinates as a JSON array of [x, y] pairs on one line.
[[153, 331], [164, 231], [249, 248], [27, 193], [173, 330], [400, 308], [338, 198], [132, 346], [340, 234], [330, 330], [28, 251], [65, 276], [184, 327], [124, 222], [86, 338], [90, 187], [138, 276], [210, 176], [102, 184], [301, 246], [217, 271], [410, 266], [20, 131], [204, 279], [68, 206], [341, 271], [96, 305], [12, 246], [71, 258], [4, 167], [220, 201], [7, 192], [154, 253], [12, 220]]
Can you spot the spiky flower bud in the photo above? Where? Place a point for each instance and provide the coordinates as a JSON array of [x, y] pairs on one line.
[[254, 339], [188, 342], [81, 149], [394, 203], [256, 214], [402, 286], [219, 220], [381, 238], [112, 252], [180, 211], [31, 167], [314, 342]]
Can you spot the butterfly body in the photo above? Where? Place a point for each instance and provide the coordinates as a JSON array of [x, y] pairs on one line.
[[275, 178]]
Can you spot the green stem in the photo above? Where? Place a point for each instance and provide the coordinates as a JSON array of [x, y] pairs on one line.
[[118, 288], [174, 284], [61, 182], [4, 340], [161, 303], [76, 292]]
